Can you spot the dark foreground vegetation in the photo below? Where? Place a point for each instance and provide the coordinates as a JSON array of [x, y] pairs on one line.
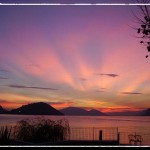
[[5, 132], [35, 131]]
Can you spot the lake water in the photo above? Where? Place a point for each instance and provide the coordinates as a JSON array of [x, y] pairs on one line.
[[88, 127], [124, 123]]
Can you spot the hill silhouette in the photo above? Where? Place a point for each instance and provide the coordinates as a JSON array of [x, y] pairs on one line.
[[39, 108], [75, 111], [94, 112], [125, 113], [147, 112], [2, 110]]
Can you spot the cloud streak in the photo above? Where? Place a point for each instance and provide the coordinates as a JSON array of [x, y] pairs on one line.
[[3, 78], [34, 65], [2, 101], [30, 87], [3, 70], [64, 104], [100, 91], [83, 79], [128, 93], [108, 74]]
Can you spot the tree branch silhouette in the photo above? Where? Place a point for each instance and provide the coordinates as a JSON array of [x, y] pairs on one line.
[[143, 19]]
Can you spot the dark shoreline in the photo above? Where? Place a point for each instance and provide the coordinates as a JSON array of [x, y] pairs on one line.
[[63, 143]]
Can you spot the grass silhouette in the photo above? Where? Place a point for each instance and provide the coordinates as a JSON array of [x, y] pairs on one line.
[[42, 130], [5, 133]]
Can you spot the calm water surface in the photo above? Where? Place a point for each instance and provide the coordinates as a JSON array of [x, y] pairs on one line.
[[124, 123]]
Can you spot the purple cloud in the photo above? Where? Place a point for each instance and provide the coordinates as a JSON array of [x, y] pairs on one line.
[[130, 93], [103, 88], [34, 65], [31, 87], [108, 74], [3, 78], [100, 91], [1, 101], [3, 70], [83, 79]]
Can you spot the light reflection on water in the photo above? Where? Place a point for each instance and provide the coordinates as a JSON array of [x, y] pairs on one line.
[[124, 123]]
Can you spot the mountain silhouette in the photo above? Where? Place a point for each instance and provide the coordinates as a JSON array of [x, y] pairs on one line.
[[94, 112], [125, 113], [75, 111], [2, 110], [146, 112], [39, 108]]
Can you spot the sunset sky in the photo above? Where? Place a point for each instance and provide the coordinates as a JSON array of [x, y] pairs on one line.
[[81, 56]]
